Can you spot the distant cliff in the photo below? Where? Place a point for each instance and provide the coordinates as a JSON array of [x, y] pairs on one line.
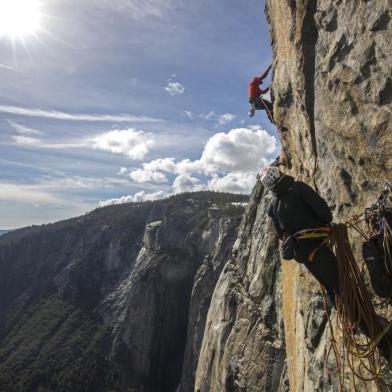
[[101, 302]]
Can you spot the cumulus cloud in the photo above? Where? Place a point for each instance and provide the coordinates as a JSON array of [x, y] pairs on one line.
[[136, 198], [144, 175], [228, 163], [167, 165], [130, 142], [225, 118], [239, 150], [153, 171], [175, 88], [185, 183], [233, 183]]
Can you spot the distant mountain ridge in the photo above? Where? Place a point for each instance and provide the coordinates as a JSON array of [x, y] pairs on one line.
[[3, 232], [105, 298]]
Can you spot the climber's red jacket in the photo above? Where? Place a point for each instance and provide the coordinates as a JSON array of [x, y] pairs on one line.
[[254, 90]]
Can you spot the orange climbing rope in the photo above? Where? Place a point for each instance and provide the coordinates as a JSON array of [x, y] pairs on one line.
[[355, 310], [354, 306]]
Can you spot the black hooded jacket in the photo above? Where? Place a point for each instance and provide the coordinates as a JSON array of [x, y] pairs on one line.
[[296, 206]]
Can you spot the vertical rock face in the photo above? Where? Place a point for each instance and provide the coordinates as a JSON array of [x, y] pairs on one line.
[[332, 88], [243, 346]]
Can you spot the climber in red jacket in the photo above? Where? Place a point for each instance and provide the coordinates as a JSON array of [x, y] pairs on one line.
[[257, 102]]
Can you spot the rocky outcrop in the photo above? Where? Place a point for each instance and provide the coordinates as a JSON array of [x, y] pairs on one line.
[[102, 302], [243, 347]]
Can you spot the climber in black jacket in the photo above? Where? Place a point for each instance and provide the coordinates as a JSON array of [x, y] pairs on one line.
[[296, 207]]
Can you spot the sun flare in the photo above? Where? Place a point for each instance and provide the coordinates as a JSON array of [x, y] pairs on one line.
[[19, 18]]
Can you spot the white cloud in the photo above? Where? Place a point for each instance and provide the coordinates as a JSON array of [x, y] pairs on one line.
[[167, 165], [135, 9], [185, 183], [32, 194], [7, 67], [53, 190], [130, 142], [225, 118], [175, 88], [188, 114], [123, 171], [20, 128], [66, 183], [26, 140], [208, 116], [233, 183], [53, 114], [143, 176], [170, 165], [239, 150], [229, 160], [153, 171], [136, 198], [221, 119]]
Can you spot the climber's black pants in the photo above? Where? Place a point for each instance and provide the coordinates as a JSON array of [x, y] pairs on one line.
[[324, 266], [262, 104]]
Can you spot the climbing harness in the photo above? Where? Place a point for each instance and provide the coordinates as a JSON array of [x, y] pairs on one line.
[[318, 232]]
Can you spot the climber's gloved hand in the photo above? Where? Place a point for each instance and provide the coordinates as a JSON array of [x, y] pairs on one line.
[[287, 247]]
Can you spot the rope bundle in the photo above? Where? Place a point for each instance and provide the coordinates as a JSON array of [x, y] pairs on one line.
[[387, 245], [355, 309]]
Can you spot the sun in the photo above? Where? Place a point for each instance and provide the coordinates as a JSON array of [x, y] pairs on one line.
[[19, 18]]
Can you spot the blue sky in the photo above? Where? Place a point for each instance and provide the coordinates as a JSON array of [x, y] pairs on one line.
[[119, 100]]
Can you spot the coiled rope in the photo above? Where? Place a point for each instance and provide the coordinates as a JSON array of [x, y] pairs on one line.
[[355, 310]]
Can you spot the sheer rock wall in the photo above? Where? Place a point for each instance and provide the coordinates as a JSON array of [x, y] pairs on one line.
[[333, 94]]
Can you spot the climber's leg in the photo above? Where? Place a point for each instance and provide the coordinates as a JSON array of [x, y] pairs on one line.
[[269, 109], [324, 268]]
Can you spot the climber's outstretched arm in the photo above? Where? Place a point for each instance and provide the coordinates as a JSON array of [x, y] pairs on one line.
[[264, 75]]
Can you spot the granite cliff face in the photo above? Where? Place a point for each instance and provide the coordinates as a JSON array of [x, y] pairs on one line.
[[332, 87], [102, 302]]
